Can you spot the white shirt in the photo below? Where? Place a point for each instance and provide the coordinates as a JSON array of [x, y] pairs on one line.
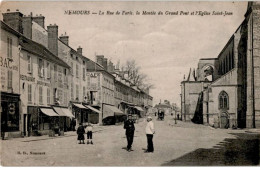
[[89, 128], [149, 129]]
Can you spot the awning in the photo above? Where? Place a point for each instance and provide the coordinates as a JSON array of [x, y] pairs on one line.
[[48, 112], [79, 106], [94, 109], [139, 108], [115, 110], [67, 112], [59, 111]]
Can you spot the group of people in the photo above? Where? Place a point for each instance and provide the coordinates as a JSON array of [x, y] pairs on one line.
[[130, 129], [81, 133]]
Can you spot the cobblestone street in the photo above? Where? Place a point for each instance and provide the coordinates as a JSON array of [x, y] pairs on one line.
[[175, 144]]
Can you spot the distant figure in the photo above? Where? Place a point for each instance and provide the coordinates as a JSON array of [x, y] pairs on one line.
[[81, 132], [130, 129], [73, 124], [155, 113], [149, 130], [89, 133]]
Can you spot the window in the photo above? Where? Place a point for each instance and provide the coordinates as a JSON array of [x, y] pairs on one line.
[[84, 93], [77, 92], [40, 95], [88, 82], [10, 79], [40, 68], [29, 93], [98, 81], [223, 100], [29, 64], [9, 47], [48, 70], [84, 75], [77, 70], [71, 65], [65, 76], [55, 72], [48, 96], [60, 95], [72, 94], [54, 95]]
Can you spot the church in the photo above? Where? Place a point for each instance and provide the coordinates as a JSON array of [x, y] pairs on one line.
[[224, 92]]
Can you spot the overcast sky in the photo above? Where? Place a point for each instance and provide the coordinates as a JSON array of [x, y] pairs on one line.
[[164, 46]]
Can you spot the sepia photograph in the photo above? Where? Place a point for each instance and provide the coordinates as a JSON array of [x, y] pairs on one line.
[[129, 83]]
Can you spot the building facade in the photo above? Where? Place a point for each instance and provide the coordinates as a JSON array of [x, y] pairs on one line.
[[226, 93]]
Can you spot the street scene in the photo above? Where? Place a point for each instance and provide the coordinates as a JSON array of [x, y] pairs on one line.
[[130, 83], [180, 144]]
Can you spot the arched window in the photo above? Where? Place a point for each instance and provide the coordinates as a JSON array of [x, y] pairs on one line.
[[223, 100]]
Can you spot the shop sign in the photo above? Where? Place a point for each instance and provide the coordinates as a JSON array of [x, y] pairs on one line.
[[27, 78], [93, 74], [7, 63], [11, 108]]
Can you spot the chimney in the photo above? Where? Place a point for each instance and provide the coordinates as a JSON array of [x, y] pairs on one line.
[[14, 20], [104, 63], [27, 26], [39, 20], [79, 50], [65, 39], [99, 59], [110, 67], [53, 38]]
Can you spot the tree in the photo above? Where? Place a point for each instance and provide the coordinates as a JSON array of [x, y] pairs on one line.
[[133, 74]]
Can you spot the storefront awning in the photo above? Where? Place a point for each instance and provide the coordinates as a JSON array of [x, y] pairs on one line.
[[48, 112], [59, 111], [67, 112], [139, 108], [94, 109], [115, 110], [79, 106]]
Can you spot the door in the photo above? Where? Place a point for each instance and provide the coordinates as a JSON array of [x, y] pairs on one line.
[[224, 122]]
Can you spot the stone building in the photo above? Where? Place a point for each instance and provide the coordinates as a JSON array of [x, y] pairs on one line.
[[227, 91], [40, 87]]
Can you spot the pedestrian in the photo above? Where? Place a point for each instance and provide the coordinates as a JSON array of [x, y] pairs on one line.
[[129, 132], [81, 132], [149, 130], [89, 133]]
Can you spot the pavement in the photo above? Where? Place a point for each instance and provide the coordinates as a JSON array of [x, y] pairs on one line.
[[181, 144]]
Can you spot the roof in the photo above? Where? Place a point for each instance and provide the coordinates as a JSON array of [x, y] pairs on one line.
[[40, 50], [162, 106], [34, 47]]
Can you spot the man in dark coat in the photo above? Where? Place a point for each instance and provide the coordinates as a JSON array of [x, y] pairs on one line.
[[130, 129], [81, 132]]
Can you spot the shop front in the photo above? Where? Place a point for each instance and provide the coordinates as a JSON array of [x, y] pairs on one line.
[[10, 115], [65, 116], [112, 115], [41, 120]]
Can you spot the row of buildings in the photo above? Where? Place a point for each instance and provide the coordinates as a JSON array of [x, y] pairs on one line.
[[225, 91], [45, 83]]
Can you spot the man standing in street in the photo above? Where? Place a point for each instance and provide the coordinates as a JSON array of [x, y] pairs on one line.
[[130, 129], [149, 130]]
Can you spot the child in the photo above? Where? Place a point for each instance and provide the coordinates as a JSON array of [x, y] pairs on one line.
[[89, 133], [81, 132]]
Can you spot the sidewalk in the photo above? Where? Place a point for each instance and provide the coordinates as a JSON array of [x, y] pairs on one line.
[[97, 129]]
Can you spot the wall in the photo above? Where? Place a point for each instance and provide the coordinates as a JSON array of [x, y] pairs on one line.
[[7, 64], [39, 34]]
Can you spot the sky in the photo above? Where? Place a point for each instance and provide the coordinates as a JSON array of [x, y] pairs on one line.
[[164, 46]]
